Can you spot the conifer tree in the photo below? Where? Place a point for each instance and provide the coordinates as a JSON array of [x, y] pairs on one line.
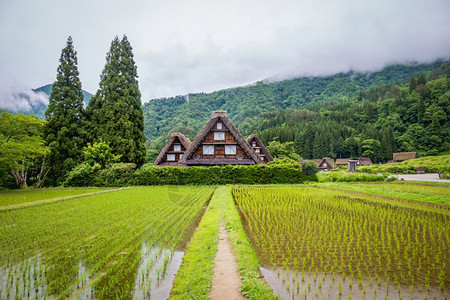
[[64, 116], [114, 113]]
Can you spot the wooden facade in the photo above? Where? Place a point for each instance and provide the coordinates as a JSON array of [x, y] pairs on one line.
[[220, 143], [257, 145], [173, 151]]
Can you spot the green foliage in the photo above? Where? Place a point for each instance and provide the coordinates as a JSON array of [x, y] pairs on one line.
[[65, 115], [21, 144], [20, 138], [100, 153], [114, 113], [432, 164], [283, 150], [253, 174], [119, 174], [83, 174], [350, 177], [187, 114]]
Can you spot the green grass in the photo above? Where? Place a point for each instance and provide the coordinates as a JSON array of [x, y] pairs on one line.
[[431, 163], [410, 191], [30, 195], [194, 278]]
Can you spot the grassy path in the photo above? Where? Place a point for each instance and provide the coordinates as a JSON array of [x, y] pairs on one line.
[[194, 278]]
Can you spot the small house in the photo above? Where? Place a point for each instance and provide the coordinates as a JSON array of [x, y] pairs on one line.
[[173, 151], [220, 143], [257, 145], [364, 161], [341, 162], [326, 164], [402, 156]]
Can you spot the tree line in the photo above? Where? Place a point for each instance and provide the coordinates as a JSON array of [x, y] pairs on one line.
[[112, 125], [374, 123]]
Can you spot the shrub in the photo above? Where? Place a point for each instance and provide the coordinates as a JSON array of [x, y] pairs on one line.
[[229, 174], [83, 175], [118, 174]]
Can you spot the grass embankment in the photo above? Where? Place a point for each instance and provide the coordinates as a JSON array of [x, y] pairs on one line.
[[252, 286], [32, 195], [432, 164], [194, 278], [411, 191]]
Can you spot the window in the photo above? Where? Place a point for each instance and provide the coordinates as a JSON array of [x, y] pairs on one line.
[[257, 150], [170, 157], [177, 147], [219, 125], [325, 165], [261, 157], [181, 155], [208, 149], [254, 144], [219, 136], [230, 149]]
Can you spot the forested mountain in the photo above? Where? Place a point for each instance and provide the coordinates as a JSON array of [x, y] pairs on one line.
[[187, 114], [412, 116]]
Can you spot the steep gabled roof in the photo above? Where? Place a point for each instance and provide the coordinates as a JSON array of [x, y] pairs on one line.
[[364, 161], [329, 161], [184, 141], [401, 156], [260, 143], [222, 116], [341, 161]]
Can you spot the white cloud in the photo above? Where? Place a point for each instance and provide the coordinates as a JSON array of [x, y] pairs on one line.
[[204, 45]]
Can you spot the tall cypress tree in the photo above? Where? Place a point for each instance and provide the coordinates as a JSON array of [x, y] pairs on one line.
[[115, 112], [64, 117]]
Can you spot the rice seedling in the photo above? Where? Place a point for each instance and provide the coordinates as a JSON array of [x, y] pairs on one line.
[[94, 245], [371, 241]]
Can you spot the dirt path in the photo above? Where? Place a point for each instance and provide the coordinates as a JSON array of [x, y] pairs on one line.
[[226, 280]]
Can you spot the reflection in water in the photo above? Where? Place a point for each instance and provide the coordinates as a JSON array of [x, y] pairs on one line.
[[156, 272], [296, 285], [24, 280], [82, 288]]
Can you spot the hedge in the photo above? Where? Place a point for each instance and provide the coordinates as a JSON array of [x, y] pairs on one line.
[[229, 174]]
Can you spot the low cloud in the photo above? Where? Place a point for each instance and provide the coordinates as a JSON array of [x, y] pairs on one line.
[[17, 97]]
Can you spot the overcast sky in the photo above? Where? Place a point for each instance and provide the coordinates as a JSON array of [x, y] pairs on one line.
[[188, 46]]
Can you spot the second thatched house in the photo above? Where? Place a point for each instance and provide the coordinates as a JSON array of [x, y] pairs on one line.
[[257, 145], [173, 151]]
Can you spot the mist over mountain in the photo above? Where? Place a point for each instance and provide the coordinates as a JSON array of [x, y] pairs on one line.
[[188, 113], [31, 101]]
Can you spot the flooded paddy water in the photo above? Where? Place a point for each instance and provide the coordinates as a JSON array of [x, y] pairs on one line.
[[289, 284]]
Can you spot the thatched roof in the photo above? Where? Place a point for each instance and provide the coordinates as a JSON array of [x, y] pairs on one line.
[[401, 156], [254, 137], [317, 161], [328, 161], [341, 161], [176, 135], [364, 161], [223, 117]]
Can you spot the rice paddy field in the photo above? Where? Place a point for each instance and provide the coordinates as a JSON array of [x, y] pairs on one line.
[[120, 244], [316, 242], [328, 240]]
